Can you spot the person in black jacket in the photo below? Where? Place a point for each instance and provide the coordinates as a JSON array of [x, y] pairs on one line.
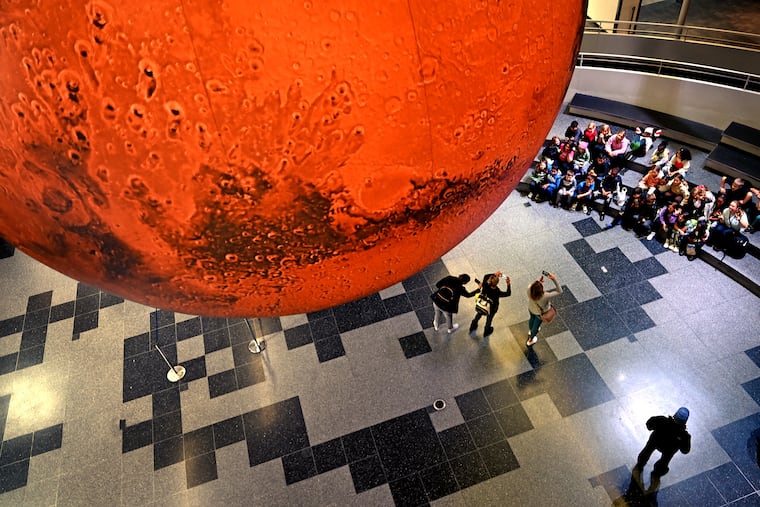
[[490, 289], [446, 299], [669, 435]]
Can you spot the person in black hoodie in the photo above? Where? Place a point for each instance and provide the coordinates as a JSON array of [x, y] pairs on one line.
[[490, 289], [669, 435], [446, 299]]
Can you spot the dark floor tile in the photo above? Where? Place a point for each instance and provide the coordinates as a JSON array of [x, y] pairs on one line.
[[240, 335], [615, 482], [473, 404], [167, 452], [166, 401], [87, 304], [456, 441], [30, 357], [188, 328], [469, 469], [359, 445], [414, 345], [644, 292], [329, 348], [62, 311], [16, 449], [33, 337], [416, 281], [163, 336], [500, 394], [215, 340], [194, 369], [513, 420], [574, 385], [323, 328], [84, 290], [729, 482], [250, 374], [136, 345], [594, 323], [499, 458], [367, 474], [210, 324], [737, 439], [754, 354], [222, 383], [161, 318], [39, 301], [436, 271], [37, 318], [137, 436], [14, 476], [229, 431], [298, 336], [419, 298], [407, 444], [397, 305], [11, 326], [47, 439], [752, 500], [198, 442], [753, 389], [650, 267], [241, 354], [329, 455], [409, 492], [425, 316], [167, 426], [697, 487], [439, 481], [485, 430], [299, 466], [360, 313], [654, 246], [274, 431], [85, 322], [637, 320], [8, 363], [143, 375], [107, 300], [587, 227], [200, 469]]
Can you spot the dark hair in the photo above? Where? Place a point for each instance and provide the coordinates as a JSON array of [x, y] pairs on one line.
[[536, 290], [685, 153], [464, 277], [573, 124]]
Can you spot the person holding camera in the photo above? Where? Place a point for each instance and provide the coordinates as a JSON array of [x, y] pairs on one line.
[[539, 302], [446, 299], [490, 289]]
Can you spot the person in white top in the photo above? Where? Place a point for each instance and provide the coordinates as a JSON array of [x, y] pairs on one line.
[[539, 301]]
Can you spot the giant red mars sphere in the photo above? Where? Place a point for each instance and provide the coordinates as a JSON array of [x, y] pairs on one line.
[[264, 158]]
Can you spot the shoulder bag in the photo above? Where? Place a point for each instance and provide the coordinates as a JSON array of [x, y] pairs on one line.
[[483, 304], [548, 314]]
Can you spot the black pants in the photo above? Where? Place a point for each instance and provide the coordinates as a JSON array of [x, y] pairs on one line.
[[661, 466], [489, 319]]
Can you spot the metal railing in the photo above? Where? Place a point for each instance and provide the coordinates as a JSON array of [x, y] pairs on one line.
[[683, 70]]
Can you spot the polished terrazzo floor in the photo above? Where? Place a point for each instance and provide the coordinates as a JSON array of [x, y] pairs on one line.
[[338, 409]]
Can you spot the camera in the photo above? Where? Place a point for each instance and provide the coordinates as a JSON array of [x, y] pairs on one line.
[[503, 276], [545, 273]]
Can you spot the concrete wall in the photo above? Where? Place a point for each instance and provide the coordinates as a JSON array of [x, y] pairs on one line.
[[709, 104]]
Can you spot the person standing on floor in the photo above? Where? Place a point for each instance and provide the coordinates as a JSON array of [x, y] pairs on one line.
[[490, 289], [669, 435], [539, 301], [446, 299]]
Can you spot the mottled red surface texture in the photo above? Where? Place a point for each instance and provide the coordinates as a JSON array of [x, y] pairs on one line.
[[265, 158]]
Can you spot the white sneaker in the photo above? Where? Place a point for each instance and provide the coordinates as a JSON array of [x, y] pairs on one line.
[[453, 328], [531, 341], [666, 244], [651, 235], [435, 325], [674, 248]]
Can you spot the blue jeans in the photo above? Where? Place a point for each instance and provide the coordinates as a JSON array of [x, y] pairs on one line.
[[534, 324]]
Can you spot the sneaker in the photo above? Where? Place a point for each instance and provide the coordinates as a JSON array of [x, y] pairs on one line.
[[666, 244], [650, 236], [531, 341], [530, 195], [601, 215], [586, 210], [453, 328], [574, 207], [674, 248], [435, 325]]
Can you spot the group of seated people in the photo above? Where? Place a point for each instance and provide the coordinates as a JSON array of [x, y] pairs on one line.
[[584, 167]]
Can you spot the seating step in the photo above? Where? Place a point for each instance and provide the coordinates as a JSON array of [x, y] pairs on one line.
[[730, 161], [742, 137], [673, 127]]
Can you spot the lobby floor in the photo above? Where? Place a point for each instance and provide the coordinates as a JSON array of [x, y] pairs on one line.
[[338, 409]]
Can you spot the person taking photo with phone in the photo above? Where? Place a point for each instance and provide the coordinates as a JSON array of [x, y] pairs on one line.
[[539, 302]]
